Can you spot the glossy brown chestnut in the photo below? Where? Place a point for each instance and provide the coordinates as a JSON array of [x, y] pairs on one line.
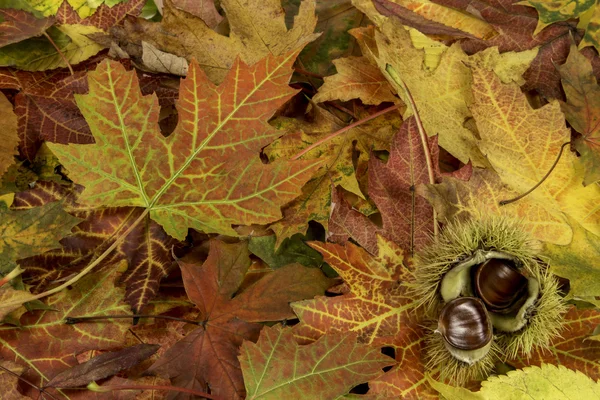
[[500, 285], [464, 324]]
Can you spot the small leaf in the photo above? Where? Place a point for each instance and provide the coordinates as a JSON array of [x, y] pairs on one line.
[[102, 366], [159, 61], [277, 367]]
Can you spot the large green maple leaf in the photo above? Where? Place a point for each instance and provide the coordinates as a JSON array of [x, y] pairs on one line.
[[207, 174]]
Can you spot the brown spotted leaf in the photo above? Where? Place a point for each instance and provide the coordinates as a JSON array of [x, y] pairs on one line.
[[17, 25], [147, 248], [295, 371], [46, 345], [207, 174], [207, 356], [376, 308]]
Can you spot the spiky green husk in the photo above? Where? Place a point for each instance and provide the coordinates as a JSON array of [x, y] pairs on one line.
[[458, 242], [438, 357], [545, 321]]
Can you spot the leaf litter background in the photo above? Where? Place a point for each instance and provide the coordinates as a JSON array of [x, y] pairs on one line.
[[256, 172]]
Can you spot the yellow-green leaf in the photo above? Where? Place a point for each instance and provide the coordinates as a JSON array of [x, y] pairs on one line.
[[207, 174]]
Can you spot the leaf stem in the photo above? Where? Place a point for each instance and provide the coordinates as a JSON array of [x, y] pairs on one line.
[[60, 53], [11, 275], [91, 266], [156, 387], [76, 320], [339, 132], [505, 202], [396, 78]]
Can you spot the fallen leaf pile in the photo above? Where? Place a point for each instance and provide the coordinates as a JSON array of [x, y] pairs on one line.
[[224, 200]]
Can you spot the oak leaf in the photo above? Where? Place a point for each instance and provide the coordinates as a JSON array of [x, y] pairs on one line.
[[582, 110], [207, 174], [376, 307], [188, 36], [207, 356], [277, 367]]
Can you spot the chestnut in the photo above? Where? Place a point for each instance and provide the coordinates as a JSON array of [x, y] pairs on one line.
[[466, 328], [500, 285]]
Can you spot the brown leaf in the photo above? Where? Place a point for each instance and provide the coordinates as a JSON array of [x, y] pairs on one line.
[[104, 16], [147, 248], [203, 9], [9, 382], [8, 134], [102, 366], [19, 25], [207, 357]]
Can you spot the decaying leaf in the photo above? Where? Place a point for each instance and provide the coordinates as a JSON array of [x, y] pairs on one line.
[[257, 30], [296, 371], [207, 174], [104, 17], [10, 382], [227, 320], [102, 366], [159, 61], [582, 110]]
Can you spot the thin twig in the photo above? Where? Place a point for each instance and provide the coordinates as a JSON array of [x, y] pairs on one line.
[[87, 269], [33, 385], [11, 275], [76, 320], [157, 387], [339, 132], [396, 78], [60, 53], [505, 202]]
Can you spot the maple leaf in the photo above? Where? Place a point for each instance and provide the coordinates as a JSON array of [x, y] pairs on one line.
[[104, 17], [29, 232], [376, 308], [277, 367], [207, 174], [10, 382], [522, 148], [147, 248], [582, 110], [10, 139], [407, 217], [573, 349], [46, 107], [188, 36], [515, 24], [442, 97], [339, 155], [357, 78], [19, 25], [47, 346], [207, 356], [38, 54]]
